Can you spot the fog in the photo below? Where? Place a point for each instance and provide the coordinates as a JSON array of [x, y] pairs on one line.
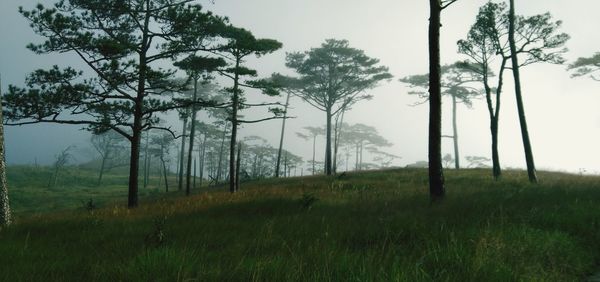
[[562, 114]]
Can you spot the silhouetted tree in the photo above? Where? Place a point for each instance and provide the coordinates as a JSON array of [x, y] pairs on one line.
[[332, 76], [241, 44], [486, 40], [455, 82], [126, 45], [197, 68], [436, 172], [110, 146], [538, 40], [313, 133], [360, 136]]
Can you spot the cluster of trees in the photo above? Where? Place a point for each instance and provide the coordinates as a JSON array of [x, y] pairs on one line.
[[500, 40]]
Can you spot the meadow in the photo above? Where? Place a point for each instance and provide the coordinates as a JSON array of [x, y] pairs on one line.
[[366, 226]]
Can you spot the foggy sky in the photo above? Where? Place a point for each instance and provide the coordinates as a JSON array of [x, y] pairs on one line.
[[562, 113]]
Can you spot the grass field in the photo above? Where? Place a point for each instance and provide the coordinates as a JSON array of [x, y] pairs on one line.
[[370, 226]]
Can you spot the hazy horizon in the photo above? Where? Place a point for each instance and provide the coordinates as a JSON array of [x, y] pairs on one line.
[[562, 113]]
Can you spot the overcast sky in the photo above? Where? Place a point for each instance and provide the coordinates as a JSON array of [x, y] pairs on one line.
[[562, 112]]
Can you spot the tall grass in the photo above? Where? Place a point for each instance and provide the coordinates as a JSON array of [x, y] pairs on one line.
[[370, 226]]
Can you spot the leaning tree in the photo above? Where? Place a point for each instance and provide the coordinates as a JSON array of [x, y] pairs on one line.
[[536, 38], [333, 76], [125, 46]]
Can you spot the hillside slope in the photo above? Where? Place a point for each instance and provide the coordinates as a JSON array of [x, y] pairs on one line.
[[370, 226]]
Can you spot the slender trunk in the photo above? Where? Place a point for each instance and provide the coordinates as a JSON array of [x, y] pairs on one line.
[[146, 160], [515, 68], [494, 116], [188, 174], [328, 144], [234, 123], [360, 164], [182, 154], [221, 152], [237, 167], [356, 160], [314, 150], [339, 121], [285, 166], [202, 161], [5, 214], [164, 165], [102, 166], [287, 103], [455, 134], [436, 173]]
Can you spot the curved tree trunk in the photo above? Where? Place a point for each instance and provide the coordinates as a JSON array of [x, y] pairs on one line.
[[437, 190], [523, 121]]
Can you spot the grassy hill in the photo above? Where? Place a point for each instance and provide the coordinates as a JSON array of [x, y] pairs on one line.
[[370, 226]]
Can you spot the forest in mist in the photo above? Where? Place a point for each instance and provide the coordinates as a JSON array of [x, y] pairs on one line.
[[289, 114]]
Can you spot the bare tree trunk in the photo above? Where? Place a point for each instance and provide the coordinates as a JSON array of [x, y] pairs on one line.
[[221, 152], [437, 190], [202, 161], [328, 170], [237, 167], [339, 121], [234, 123], [188, 174], [102, 166], [146, 165], [287, 103], [162, 160], [182, 154], [515, 68], [314, 150], [5, 214], [455, 134]]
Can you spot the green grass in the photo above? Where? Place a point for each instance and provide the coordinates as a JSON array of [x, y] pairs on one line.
[[371, 226]]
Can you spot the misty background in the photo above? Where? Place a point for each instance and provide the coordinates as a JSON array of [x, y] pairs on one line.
[[562, 115]]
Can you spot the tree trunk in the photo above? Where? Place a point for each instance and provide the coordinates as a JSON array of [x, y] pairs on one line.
[[5, 214], [221, 152], [202, 161], [182, 154], [146, 165], [287, 103], [237, 167], [339, 121], [495, 116], [162, 160], [328, 144], [188, 174], [436, 173], [515, 68], [234, 123], [102, 166], [314, 150], [455, 134]]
